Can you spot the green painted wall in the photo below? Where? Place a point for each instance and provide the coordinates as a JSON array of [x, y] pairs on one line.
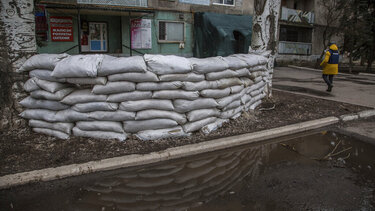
[[162, 48]]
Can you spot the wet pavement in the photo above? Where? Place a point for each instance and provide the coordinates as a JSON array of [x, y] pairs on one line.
[[354, 89], [325, 170]]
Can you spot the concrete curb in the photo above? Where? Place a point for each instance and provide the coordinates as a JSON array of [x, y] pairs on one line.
[[168, 154], [360, 115]]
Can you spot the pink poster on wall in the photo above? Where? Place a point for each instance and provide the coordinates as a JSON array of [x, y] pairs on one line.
[[141, 34]]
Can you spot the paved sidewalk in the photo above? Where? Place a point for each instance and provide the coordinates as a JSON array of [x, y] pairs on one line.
[[354, 89]]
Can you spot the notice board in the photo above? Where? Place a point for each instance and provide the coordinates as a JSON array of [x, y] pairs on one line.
[[141, 34], [61, 28]]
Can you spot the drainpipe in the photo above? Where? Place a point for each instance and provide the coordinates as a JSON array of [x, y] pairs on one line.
[[79, 30], [130, 35]]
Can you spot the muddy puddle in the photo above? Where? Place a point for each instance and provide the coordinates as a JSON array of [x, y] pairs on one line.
[[325, 170]]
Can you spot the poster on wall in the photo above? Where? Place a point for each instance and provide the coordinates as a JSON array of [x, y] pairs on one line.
[[141, 34], [61, 28]]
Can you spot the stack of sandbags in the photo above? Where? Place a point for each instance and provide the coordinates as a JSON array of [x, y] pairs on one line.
[[152, 97]]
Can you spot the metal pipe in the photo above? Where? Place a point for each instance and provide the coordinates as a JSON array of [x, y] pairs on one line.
[[79, 31]]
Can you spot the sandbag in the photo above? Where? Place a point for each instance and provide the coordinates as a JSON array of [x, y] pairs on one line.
[[255, 75], [112, 115], [255, 93], [100, 126], [50, 132], [236, 89], [197, 86], [222, 102], [244, 72], [246, 81], [83, 96], [151, 124], [245, 99], [30, 102], [213, 126], [231, 113], [234, 63], [78, 66], [256, 104], [93, 81], [176, 94], [222, 74], [126, 96], [232, 105], [70, 115], [194, 126], [114, 87], [160, 114], [170, 64], [134, 77], [45, 75], [30, 85], [192, 77], [215, 93], [252, 59], [161, 133], [207, 65], [57, 96], [114, 65], [258, 79], [228, 82], [42, 114], [183, 106], [199, 114], [60, 126], [151, 86], [42, 61], [258, 68], [99, 134], [95, 106], [147, 104], [49, 85]]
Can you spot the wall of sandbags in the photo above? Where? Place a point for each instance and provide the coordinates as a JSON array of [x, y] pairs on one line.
[[150, 96]]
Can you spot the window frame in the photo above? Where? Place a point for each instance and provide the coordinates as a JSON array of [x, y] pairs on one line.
[[172, 41], [227, 5]]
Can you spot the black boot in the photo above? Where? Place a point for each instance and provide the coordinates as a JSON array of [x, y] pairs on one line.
[[329, 88]]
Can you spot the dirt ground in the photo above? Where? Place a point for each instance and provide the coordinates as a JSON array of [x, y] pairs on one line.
[[24, 150]]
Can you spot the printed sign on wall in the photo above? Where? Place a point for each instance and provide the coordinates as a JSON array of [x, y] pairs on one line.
[[141, 34], [61, 29]]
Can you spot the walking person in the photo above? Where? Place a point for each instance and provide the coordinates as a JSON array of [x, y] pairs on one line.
[[330, 65]]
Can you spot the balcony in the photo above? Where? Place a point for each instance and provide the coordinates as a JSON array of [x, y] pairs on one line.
[[297, 16], [126, 3], [295, 48]]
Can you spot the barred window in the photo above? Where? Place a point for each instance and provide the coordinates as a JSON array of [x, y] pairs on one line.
[[224, 2]]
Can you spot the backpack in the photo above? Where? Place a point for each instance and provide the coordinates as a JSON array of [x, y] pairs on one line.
[[334, 58]]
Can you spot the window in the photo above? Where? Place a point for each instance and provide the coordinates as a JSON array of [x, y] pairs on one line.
[[171, 31], [224, 2], [94, 38]]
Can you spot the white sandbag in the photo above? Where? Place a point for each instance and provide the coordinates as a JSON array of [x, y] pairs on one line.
[[236, 89], [151, 86], [112, 115], [150, 124], [176, 94], [222, 74], [258, 79], [55, 133], [42, 61], [256, 104], [207, 65], [247, 82], [245, 99], [199, 114], [42, 114], [114, 65], [160, 114], [255, 93], [99, 134], [252, 59], [95, 106], [255, 75], [70, 115], [231, 113], [59, 95], [147, 104], [236, 115], [100, 126], [60, 126], [228, 82], [78, 66], [192, 77], [214, 126], [126, 96], [222, 102], [147, 135], [83, 96], [197, 86], [30, 102], [170, 64], [257, 86], [30, 85], [45, 75], [232, 105], [49, 85], [194, 126], [93, 81], [244, 72], [258, 68], [215, 93], [114, 87], [183, 106], [134, 77], [234, 63]]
